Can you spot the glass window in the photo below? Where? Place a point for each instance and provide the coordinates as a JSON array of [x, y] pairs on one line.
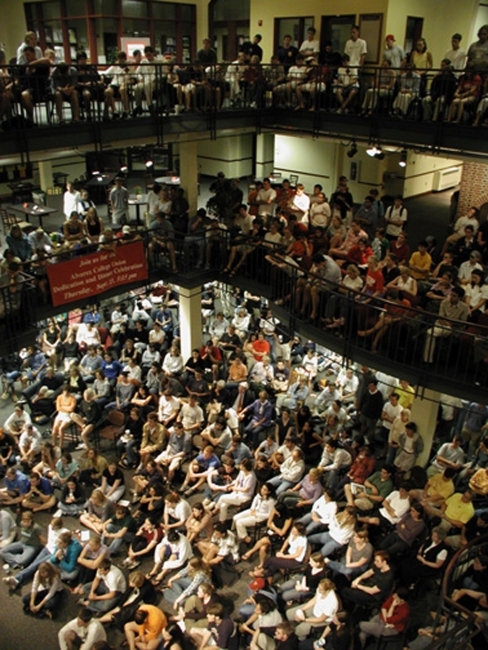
[[132, 26], [76, 7], [50, 10], [78, 35], [105, 7], [134, 8], [165, 37], [187, 13], [231, 10], [164, 10], [54, 33]]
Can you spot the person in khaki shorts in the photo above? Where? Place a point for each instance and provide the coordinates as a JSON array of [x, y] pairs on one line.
[[375, 489]]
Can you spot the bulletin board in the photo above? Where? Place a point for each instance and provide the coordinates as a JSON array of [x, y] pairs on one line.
[[130, 43]]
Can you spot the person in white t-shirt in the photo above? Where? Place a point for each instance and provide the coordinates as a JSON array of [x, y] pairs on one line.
[[356, 48], [321, 610], [470, 219], [311, 46], [301, 203], [396, 218], [320, 212], [456, 55], [396, 504], [110, 583], [266, 198]]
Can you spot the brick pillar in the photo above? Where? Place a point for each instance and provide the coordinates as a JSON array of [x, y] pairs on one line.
[[473, 190]]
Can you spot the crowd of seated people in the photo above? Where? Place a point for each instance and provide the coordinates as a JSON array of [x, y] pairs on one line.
[[306, 77], [241, 453], [329, 260]]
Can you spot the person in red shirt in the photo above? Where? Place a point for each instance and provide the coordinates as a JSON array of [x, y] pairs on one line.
[[374, 282], [359, 253], [260, 347], [212, 358], [401, 248], [391, 620], [396, 309]]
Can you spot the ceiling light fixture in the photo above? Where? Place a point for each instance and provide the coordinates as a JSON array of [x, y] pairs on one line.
[[372, 151], [403, 158], [353, 150]]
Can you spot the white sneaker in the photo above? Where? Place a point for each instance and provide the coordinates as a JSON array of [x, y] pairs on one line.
[[80, 445], [58, 513], [6, 568]]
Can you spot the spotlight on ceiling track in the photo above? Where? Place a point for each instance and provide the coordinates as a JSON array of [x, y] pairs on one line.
[[149, 163], [372, 151], [353, 150], [124, 169], [379, 154], [403, 158]]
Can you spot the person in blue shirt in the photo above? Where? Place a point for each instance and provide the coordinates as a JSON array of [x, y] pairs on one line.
[[17, 485], [65, 556], [40, 495], [111, 368], [18, 242], [262, 412], [199, 470]]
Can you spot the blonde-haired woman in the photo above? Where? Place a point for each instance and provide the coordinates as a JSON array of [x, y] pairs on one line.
[[317, 612], [99, 509], [46, 592], [341, 530]]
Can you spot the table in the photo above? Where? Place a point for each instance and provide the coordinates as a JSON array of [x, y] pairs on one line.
[[168, 180], [138, 202], [32, 210], [101, 180], [97, 187]]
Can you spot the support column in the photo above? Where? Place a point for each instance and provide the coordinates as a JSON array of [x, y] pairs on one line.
[[190, 313], [424, 414], [474, 177], [45, 174], [264, 163], [189, 173]]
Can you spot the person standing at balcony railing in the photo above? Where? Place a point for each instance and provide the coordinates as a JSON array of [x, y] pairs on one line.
[[478, 51], [456, 55]]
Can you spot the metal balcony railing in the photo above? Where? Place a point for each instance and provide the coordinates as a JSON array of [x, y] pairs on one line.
[[458, 363]]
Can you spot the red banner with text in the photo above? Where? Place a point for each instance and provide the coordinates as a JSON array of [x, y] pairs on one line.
[[90, 275]]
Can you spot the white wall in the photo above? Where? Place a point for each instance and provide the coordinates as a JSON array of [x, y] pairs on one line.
[[231, 155], [314, 161]]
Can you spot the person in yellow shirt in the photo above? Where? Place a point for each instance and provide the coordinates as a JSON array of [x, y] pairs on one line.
[[437, 489], [406, 394], [457, 510], [479, 482], [420, 262], [145, 631]]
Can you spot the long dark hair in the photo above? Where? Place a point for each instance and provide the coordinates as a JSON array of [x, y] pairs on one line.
[[178, 637]]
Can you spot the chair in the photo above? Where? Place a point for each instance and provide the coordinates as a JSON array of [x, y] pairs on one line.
[[9, 220], [112, 427]]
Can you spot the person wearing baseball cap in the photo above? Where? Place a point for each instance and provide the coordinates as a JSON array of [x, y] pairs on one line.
[[394, 53]]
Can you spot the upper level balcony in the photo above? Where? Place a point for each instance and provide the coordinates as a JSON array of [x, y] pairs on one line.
[[382, 332], [194, 102]]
